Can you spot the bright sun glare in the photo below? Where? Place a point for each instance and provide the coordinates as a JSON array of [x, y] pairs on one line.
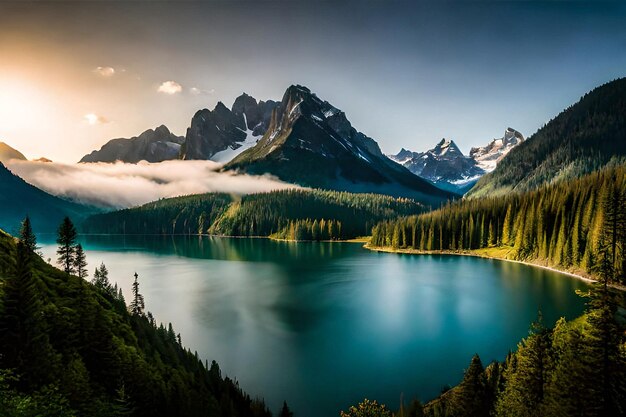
[[20, 105]]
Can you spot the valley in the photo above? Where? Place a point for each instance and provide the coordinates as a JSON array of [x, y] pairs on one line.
[[203, 214]]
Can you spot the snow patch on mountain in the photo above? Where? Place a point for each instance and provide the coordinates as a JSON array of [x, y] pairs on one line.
[[487, 157], [446, 166], [233, 150]]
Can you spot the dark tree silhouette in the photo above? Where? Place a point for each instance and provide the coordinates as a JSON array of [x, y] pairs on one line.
[[67, 241]]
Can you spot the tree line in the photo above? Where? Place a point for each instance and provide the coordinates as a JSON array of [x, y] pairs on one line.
[[576, 225], [261, 214]]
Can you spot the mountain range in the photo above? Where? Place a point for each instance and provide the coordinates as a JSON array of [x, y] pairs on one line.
[[300, 139], [447, 167], [310, 142]]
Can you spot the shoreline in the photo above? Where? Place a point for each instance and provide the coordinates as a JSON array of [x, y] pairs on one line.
[[476, 254]]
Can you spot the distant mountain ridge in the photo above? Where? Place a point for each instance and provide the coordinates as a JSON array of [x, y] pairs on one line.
[[7, 153], [583, 138], [488, 156], [19, 199], [310, 142], [447, 167], [152, 145]]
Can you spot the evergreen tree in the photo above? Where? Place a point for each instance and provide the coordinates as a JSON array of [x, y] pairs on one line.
[[367, 408], [27, 237], [101, 278], [470, 397], [137, 306], [67, 241], [80, 262], [524, 392], [285, 411]]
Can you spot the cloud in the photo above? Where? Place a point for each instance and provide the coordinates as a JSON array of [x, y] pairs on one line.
[[198, 91], [94, 119], [123, 185], [170, 87], [106, 72]]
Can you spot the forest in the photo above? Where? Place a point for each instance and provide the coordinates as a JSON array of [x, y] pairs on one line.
[[583, 138], [318, 215], [575, 225], [70, 347]]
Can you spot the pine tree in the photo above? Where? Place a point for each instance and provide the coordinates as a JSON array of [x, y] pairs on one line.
[[137, 306], [80, 261], [23, 341], [470, 397], [101, 278], [524, 392], [66, 240], [27, 237], [285, 411]]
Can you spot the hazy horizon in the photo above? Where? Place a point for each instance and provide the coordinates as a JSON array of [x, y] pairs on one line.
[[74, 75]]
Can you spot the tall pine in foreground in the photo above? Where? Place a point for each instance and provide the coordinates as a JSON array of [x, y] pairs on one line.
[[67, 241]]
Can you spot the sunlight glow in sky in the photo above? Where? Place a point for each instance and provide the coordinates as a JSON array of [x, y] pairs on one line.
[[75, 74]]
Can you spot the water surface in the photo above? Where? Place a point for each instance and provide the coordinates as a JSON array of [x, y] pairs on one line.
[[323, 325]]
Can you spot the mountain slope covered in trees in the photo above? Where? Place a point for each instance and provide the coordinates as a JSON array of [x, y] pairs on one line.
[[71, 348], [572, 225], [19, 199], [319, 215], [583, 138]]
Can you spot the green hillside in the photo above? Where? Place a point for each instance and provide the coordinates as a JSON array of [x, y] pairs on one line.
[[261, 214], [70, 348], [572, 225], [585, 137], [19, 199]]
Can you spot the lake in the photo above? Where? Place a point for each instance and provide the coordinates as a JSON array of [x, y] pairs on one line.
[[324, 325]]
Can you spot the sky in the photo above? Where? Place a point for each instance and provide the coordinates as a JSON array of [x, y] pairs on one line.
[[75, 74]]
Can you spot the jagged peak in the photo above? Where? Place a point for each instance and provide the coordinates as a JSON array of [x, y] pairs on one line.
[[220, 107]]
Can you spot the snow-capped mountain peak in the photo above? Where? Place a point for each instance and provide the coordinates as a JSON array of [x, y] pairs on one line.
[[487, 157], [447, 167]]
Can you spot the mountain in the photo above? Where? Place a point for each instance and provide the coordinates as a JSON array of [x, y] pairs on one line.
[[19, 199], [312, 143], [488, 156], [7, 152], [444, 165], [221, 134], [583, 138], [152, 145]]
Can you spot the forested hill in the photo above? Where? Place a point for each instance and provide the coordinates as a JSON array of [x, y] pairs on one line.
[[577, 225], [69, 348], [294, 214], [19, 199], [583, 138]]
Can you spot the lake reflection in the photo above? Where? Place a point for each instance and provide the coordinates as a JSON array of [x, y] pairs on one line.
[[323, 325]]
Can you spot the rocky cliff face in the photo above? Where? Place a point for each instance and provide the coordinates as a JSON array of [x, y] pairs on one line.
[[487, 157], [221, 134], [311, 142], [152, 145]]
